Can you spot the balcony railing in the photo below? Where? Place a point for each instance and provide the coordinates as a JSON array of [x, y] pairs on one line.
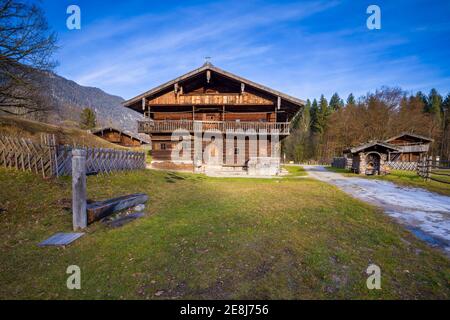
[[167, 126]]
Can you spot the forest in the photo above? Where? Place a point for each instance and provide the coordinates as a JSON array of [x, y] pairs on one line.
[[325, 128]]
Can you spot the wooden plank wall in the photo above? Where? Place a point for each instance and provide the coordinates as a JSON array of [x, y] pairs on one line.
[[165, 155], [170, 98]]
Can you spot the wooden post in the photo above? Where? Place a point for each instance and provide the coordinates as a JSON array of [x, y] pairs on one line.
[[79, 189], [429, 165]]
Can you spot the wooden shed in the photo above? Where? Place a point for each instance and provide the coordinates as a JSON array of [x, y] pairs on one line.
[[123, 138], [369, 158], [411, 147]]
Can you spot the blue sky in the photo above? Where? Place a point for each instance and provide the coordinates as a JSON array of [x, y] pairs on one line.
[[303, 48]]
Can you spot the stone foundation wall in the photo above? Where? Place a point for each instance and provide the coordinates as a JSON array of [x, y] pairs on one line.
[[263, 166], [363, 162]]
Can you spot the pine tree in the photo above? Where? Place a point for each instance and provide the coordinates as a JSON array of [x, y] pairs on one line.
[[323, 114], [435, 104], [445, 146], [335, 102], [446, 104], [314, 113], [424, 99], [305, 120], [351, 100], [88, 119]]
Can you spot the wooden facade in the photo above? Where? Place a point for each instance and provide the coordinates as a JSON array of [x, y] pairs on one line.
[[119, 137], [213, 99], [411, 147]]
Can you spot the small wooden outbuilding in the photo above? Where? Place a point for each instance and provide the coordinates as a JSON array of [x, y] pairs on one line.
[[412, 147], [369, 158], [123, 138]]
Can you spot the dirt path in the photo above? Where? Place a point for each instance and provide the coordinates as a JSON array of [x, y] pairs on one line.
[[424, 213]]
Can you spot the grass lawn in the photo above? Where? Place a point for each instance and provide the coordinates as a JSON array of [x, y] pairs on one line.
[[295, 171], [211, 238], [405, 178]]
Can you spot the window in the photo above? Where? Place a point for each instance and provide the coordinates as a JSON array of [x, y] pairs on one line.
[[163, 146], [236, 151]]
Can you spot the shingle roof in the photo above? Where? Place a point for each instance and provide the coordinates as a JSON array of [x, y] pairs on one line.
[[411, 135], [127, 133], [371, 144]]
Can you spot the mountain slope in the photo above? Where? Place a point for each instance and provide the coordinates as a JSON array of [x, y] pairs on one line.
[[71, 98]]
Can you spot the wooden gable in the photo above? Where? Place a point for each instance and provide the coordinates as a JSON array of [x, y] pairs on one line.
[[170, 98], [209, 86], [407, 138]]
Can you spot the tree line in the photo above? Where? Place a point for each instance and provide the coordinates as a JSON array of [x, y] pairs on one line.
[[325, 128]]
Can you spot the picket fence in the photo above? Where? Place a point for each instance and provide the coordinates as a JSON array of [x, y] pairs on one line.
[[52, 160]]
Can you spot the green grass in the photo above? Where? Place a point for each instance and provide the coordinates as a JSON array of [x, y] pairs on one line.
[[295, 171], [211, 238], [148, 158], [406, 178]]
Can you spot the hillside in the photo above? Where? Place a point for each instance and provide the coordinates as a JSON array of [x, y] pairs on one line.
[[70, 98], [13, 126]]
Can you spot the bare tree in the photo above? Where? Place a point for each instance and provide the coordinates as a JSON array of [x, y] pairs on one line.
[[26, 47]]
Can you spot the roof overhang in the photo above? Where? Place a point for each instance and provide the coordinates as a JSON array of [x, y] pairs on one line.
[[208, 66], [410, 135], [368, 145], [125, 133]]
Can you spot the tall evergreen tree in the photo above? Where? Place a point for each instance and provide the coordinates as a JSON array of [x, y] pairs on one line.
[[88, 119], [435, 104], [351, 100], [445, 145], [314, 113], [420, 95], [446, 104], [335, 102], [323, 114], [305, 121]]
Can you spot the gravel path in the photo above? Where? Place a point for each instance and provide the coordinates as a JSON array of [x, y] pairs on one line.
[[424, 213]]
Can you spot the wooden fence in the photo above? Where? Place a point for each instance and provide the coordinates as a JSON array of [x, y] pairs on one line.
[[397, 165], [51, 160], [339, 162], [438, 171]]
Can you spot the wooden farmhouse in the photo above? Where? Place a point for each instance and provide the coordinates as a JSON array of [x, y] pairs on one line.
[[210, 98], [123, 138]]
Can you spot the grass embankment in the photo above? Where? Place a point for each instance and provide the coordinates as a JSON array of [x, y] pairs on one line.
[[211, 238], [407, 179], [18, 127]]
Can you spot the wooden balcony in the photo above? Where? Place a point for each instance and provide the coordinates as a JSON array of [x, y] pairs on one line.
[[168, 126]]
